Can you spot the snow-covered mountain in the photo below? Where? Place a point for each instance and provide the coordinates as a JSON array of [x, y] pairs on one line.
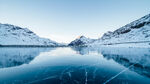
[[135, 32], [14, 35], [81, 40]]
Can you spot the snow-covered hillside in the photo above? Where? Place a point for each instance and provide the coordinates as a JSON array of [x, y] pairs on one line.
[[81, 40], [136, 32], [14, 35]]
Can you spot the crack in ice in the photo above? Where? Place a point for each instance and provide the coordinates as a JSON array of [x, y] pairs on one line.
[[85, 77], [113, 77], [62, 73], [41, 79]]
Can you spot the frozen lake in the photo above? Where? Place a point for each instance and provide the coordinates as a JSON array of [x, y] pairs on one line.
[[77, 65]]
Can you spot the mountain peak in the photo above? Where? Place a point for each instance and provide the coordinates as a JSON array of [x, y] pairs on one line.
[[80, 37], [80, 41]]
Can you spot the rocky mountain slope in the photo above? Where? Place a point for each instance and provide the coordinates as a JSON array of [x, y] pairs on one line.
[[135, 32], [14, 35], [82, 40]]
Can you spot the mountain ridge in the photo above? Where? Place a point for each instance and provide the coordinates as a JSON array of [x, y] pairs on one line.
[[136, 33], [138, 30], [11, 35]]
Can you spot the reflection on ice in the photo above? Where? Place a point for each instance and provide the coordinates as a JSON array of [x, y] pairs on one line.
[[10, 57], [140, 57]]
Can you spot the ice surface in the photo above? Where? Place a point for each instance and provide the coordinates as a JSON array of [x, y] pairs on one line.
[[79, 65]]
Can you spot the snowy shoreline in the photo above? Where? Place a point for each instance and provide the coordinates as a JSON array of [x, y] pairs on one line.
[[32, 46], [124, 45]]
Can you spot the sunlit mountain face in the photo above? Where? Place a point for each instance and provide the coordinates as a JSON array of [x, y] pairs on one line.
[[11, 35], [75, 65]]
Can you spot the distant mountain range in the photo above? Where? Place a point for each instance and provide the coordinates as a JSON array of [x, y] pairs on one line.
[[136, 33]]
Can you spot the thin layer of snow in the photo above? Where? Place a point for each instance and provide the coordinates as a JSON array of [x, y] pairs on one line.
[[81, 41], [130, 45]]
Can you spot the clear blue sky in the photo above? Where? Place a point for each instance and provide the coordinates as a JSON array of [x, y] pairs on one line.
[[64, 20]]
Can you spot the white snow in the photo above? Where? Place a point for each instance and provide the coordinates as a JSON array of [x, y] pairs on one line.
[[14, 35], [135, 34]]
